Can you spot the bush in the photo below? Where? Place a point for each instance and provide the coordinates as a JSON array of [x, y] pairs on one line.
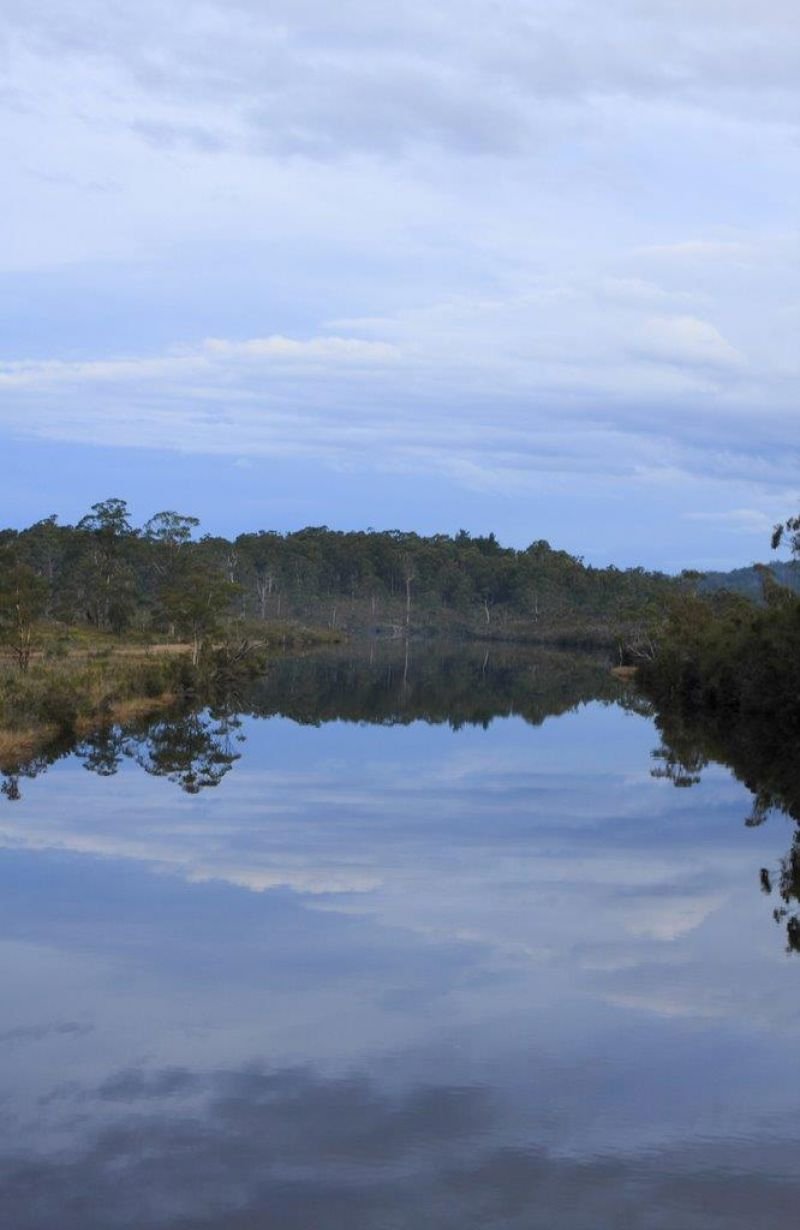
[[59, 703]]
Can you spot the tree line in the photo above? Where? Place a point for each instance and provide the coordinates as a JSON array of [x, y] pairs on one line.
[[723, 654], [165, 577]]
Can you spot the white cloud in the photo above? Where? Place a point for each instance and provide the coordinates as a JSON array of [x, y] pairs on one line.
[[686, 340], [672, 917], [327, 349], [744, 520], [188, 363], [416, 238], [640, 291], [701, 250]]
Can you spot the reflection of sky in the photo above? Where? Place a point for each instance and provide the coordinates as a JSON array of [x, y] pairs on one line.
[[499, 961]]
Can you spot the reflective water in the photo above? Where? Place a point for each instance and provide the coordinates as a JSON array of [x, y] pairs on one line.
[[468, 966]]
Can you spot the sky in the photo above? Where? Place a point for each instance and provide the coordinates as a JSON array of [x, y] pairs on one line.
[[529, 268]]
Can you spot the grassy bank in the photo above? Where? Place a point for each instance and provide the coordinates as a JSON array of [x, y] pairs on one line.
[[79, 680], [74, 693]]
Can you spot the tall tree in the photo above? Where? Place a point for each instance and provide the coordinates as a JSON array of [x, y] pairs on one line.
[[171, 529], [109, 520], [23, 596], [106, 576], [195, 600]]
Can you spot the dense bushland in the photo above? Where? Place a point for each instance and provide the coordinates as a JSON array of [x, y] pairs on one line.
[[161, 580], [724, 654]]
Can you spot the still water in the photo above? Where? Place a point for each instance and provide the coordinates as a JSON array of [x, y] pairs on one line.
[[407, 945]]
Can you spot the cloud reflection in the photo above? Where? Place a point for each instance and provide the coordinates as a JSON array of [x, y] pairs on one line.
[[293, 1148]]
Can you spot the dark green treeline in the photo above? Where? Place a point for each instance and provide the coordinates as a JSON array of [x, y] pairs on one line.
[[726, 656], [165, 576]]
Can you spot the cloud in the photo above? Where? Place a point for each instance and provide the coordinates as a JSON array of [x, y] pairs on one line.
[[190, 362], [327, 349], [668, 919], [489, 245], [638, 291], [489, 391], [38, 1033], [298, 1147], [483, 394], [686, 341], [739, 520], [295, 80], [166, 135], [700, 250]]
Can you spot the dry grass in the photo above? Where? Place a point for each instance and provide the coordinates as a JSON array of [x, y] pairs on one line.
[[129, 710], [80, 692], [84, 645], [16, 745], [165, 649], [624, 672]]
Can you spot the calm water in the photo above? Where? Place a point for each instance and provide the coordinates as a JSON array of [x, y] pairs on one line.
[[437, 950]]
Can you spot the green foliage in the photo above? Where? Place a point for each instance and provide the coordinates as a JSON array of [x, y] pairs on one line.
[[195, 600], [61, 693], [23, 596], [726, 680], [788, 529], [111, 576], [725, 654], [749, 582], [739, 659], [108, 520], [170, 529]]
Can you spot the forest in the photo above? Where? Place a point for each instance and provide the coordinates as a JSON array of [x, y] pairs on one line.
[[102, 617], [165, 579]]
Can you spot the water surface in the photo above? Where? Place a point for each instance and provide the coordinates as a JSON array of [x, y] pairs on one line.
[[414, 941]]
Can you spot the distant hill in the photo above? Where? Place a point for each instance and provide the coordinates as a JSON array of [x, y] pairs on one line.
[[747, 581]]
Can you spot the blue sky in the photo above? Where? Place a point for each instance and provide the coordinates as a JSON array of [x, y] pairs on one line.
[[530, 268]]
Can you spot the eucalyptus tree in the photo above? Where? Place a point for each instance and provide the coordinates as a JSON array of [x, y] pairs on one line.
[[23, 596], [167, 538], [105, 575], [170, 529], [196, 601], [261, 555], [788, 529]]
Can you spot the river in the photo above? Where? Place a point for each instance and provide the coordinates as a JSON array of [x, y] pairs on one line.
[[398, 940]]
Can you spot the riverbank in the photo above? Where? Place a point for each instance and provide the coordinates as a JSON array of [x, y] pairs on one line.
[[729, 658], [79, 680]]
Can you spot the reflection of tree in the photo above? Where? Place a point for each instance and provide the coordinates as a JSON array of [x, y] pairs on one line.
[[10, 785], [195, 751], [765, 759], [788, 888], [192, 749], [14, 770], [103, 750], [386, 684], [682, 768], [381, 684]]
